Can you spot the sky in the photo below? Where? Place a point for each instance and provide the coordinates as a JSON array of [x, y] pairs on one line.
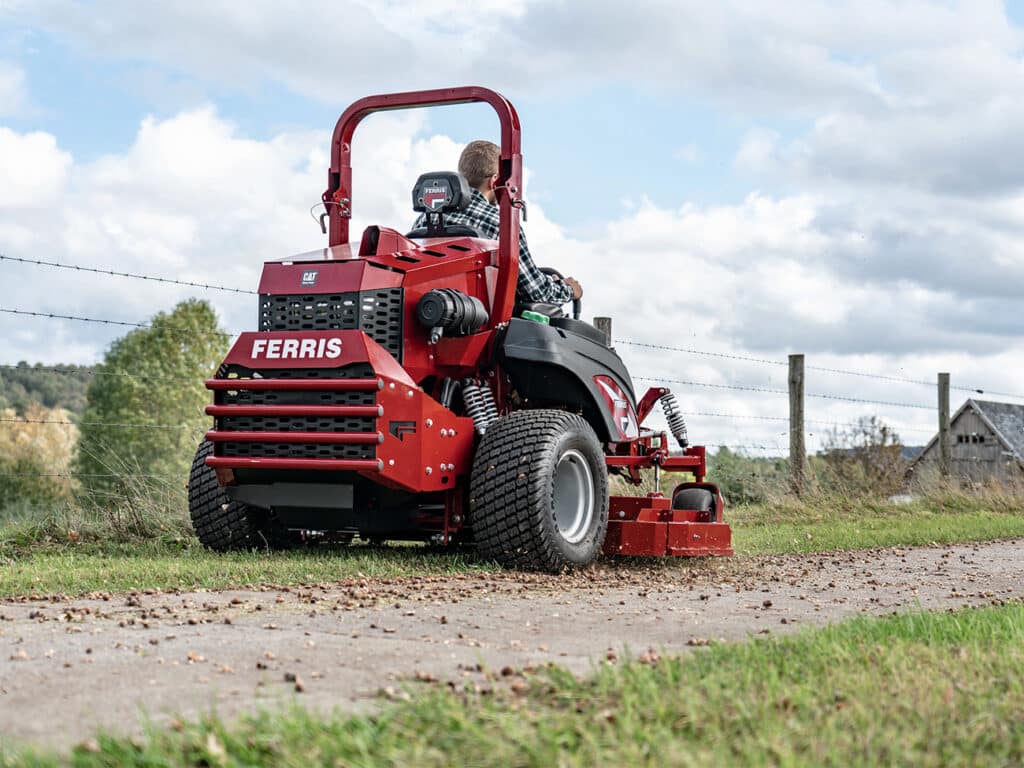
[[754, 179]]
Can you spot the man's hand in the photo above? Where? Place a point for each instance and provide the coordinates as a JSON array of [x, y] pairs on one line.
[[577, 289]]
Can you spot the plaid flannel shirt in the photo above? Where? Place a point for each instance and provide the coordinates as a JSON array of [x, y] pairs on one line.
[[533, 285]]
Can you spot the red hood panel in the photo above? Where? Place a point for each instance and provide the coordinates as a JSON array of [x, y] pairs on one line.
[[334, 253], [331, 276]]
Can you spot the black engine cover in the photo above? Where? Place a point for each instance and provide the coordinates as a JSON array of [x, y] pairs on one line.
[[554, 367]]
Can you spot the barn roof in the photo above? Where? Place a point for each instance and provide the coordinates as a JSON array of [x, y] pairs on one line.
[[1006, 420]]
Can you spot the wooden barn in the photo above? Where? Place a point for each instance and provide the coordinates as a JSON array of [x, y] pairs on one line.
[[986, 441]]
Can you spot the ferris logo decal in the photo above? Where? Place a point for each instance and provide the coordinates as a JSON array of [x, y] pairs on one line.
[[295, 349], [621, 410], [309, 277], [434, 196]]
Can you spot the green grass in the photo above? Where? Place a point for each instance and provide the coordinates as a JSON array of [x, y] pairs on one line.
[[918, 689], [75, 570], [49, 564], [821, 525]]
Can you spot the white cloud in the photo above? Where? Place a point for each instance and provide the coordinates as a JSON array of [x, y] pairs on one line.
[[193, 198], [895, 249], [917, 93], [32, 171], [757, 152], [747, 55]]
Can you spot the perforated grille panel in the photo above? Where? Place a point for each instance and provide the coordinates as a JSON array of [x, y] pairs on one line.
[[377, 313], [354, 371], [335, 424], [300, 450], [380, 317], [289, 397], [295, 424]]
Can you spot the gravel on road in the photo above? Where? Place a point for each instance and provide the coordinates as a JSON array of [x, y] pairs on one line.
[[71, 665]]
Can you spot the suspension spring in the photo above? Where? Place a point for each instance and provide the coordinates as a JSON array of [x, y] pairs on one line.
[[676, 422], [480, 405]]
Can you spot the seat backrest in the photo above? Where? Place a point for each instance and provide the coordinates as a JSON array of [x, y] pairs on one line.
[[441, 192], [436, 194]]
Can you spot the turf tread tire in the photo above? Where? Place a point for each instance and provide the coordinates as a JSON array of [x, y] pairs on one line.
[[222, 524], [511, 491]]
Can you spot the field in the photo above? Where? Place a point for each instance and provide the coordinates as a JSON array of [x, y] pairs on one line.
[[39, 558]]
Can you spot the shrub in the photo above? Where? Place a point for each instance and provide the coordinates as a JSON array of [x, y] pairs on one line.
[[746, 479], [33, 456], [864, 460]]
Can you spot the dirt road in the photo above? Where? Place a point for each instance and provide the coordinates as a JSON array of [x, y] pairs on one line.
[[70, 666]]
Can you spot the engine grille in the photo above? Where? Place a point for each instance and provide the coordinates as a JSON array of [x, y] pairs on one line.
[[226, 424], [294, 397], [295, 424], [377, 313], [353, 371], [299, 450]]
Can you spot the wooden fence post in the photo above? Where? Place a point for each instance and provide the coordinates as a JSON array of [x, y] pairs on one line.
[[797, 447], [604, 324], [945, 448]]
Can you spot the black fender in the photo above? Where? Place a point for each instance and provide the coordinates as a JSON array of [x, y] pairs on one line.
[[555, 368]]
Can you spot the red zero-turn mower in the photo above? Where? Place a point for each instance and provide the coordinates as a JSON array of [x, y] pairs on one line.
[[396, 391]]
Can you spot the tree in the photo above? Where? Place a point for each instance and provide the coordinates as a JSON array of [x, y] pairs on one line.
[[865, 458], [163, 398], [24, 384]]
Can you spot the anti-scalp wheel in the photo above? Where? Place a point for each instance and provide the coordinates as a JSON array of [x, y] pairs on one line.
[[699, 499]]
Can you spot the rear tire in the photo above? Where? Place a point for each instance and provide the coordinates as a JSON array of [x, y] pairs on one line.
[[539, 492], [222, 524]]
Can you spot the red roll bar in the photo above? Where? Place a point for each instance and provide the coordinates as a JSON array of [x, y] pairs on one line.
[[338, 196]]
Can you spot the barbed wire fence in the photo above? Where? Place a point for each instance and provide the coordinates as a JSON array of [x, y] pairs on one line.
[[793, 424]]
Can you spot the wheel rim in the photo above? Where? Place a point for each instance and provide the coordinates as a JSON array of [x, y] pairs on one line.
[[572, 499]]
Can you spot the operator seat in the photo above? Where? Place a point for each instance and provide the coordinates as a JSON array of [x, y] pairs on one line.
[[581, 328], [436, 194], [551, 310], [557, 319]]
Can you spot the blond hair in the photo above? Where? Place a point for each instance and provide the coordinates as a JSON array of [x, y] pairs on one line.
[[478, 162]]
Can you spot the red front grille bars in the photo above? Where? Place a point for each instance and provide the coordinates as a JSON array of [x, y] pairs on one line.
[[343, 449]]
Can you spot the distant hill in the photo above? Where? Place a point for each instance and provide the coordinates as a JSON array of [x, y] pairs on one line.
[[23, 384]]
